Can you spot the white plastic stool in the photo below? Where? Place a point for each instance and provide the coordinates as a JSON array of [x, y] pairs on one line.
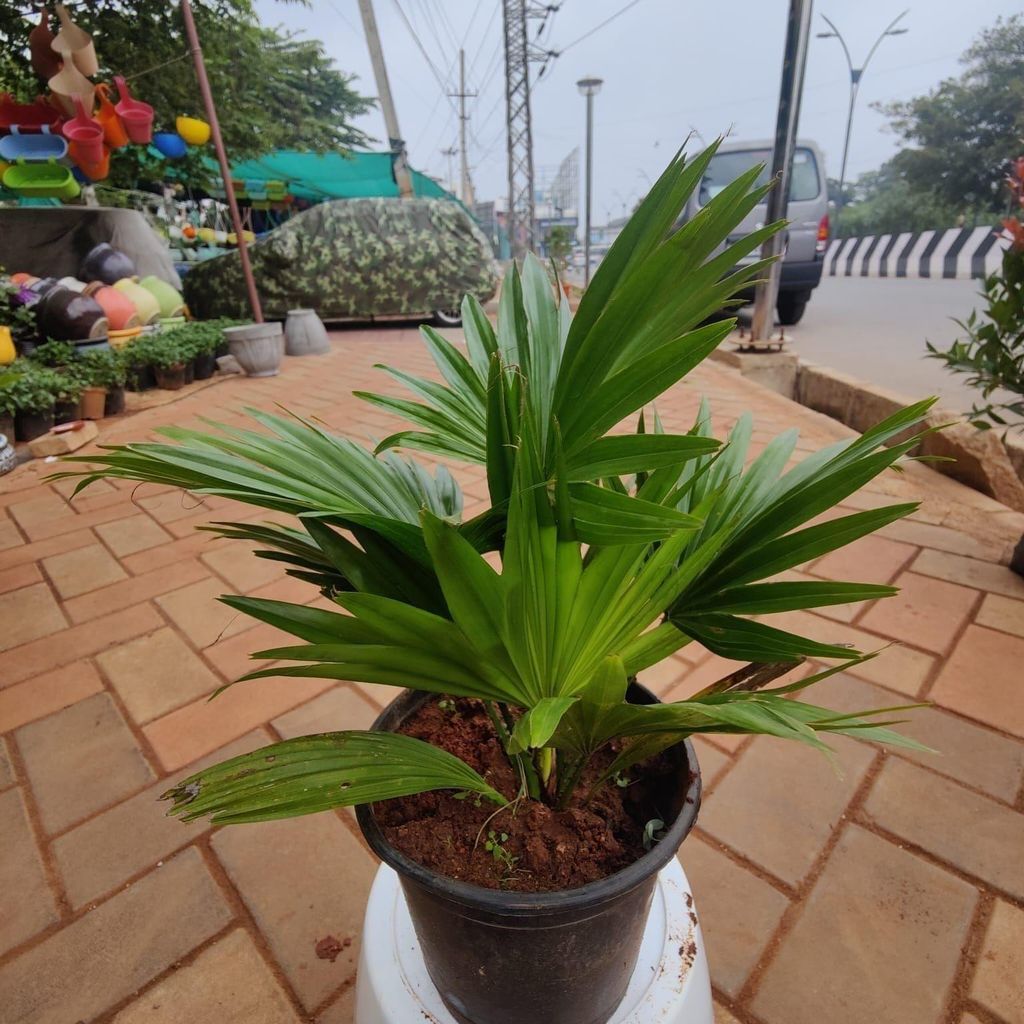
[[670, 985]]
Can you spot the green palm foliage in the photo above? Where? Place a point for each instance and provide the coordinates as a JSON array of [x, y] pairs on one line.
[[616, 549]]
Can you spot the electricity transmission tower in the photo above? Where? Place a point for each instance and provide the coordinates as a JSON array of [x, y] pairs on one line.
[[516, 15]]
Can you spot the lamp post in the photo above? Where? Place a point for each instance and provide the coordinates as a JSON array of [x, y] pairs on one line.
[[588, 87], [855, 76]]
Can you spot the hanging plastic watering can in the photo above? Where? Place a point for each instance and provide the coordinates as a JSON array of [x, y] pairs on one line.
[[136, 116], [114, 134], [41, 146], [45, 62], [91, 170], [170, 145], [86, 135], [41, 180], [75, 44], [70, 83], [193, 131]]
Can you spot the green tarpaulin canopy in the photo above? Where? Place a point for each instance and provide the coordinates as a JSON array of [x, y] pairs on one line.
[[318, 176]]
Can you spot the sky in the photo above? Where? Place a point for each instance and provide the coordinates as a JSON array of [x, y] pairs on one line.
[[669, 67]]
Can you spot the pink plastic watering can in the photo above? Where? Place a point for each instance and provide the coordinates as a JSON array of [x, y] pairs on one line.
[[86, 135], [136, 116]]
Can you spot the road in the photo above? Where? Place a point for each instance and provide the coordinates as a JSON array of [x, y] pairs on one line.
[[876, 328]]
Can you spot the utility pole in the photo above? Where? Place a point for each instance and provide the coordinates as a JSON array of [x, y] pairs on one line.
[[222, 158], [399, 157], [589, 87], [794, 62], [519, 129], [466, 186], [449, 153]]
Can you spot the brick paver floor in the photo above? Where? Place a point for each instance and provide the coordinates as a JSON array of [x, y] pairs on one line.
[[887, 889]]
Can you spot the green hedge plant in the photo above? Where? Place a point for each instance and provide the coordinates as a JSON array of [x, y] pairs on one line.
[[608, 544]]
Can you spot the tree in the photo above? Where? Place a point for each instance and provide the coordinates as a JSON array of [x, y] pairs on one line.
[[273, 89], [962, 130], [560, 246]]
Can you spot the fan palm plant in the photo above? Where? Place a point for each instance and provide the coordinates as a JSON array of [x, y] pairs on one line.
[[615, 549]]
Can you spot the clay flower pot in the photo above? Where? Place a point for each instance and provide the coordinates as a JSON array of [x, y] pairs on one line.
[[258, 348], [94, 401], [106, 264], [120, 310]]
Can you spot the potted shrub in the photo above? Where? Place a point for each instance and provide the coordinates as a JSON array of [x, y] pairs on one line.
[[526, 785], [7, 403], [139, 374], [103, 373], [168, 358], [68, 394], [34, 390]]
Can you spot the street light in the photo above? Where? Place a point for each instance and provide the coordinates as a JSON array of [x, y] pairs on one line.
[[855, 77], [588, 87]]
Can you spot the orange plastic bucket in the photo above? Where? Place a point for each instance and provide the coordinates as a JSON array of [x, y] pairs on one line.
[[136, 116], [114, 134]]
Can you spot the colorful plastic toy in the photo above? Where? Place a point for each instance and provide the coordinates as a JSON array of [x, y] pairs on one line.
[[194, 131], [136, 116], [75, 44], [43, 145]]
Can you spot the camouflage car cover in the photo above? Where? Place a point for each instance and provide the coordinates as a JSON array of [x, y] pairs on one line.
[[355, 258]]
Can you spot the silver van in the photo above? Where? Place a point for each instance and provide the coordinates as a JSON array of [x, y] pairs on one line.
[[807, 235]]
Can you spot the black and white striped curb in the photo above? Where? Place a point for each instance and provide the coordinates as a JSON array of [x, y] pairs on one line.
[[955, 252]]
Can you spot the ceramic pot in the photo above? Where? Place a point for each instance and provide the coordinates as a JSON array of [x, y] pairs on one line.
[[8, 456], [106, 264], [305, 334], [120, 310], [68, 316], [257, 348], [94, 401], [8, 353], [145, 302], [41, 285], [123, 338], [169, 298], [32, 423], [73, 284]]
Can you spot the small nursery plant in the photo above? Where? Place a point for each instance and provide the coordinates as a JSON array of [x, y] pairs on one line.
[[603, 550]]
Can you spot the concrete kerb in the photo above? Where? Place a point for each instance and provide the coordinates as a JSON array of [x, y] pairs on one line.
[[981, 459]]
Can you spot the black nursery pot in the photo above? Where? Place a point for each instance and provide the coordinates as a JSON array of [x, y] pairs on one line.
[[67, 412], [141, 378], [522, 958], [171, 378], [30, 424], [204, 366], [114, 403]]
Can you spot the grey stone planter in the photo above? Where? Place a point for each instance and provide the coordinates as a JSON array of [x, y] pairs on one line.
[[257, 348], [305, 334]]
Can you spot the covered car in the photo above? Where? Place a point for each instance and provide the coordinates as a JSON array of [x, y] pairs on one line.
[[356, 259]]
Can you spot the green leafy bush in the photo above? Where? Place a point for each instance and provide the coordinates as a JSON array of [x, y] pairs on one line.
[[55, 353], [33, 388], [103, 368], [601, 553]]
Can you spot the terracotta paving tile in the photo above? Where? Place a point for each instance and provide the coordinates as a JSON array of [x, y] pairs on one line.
[[710, 669], [68, 524], [19, 576], [84, 569], [228, 983], [871, 559], [41, 696], [779, 804], [169, 506], [38, 550], [190, 732], [10, 537], [712, 761], [900, 668], [21, 872], [964, 751], [30, 515], [28, 614], [928, 610], [723, 1016], [342, 1011], [196, 611], [232, 656], [244, 573], [302, 879], [156, 673], [983, 679], [666, 675], [878, 940], [131, 534], [341, 707], [1002, 613], [167, 554], [80, 760], [6, 770], [969, 572], [66, 488], [143, 931], [93, 858], [972, 832], [77, 642], [999, 978], [378, 693], [738, 912], [927, 535]]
